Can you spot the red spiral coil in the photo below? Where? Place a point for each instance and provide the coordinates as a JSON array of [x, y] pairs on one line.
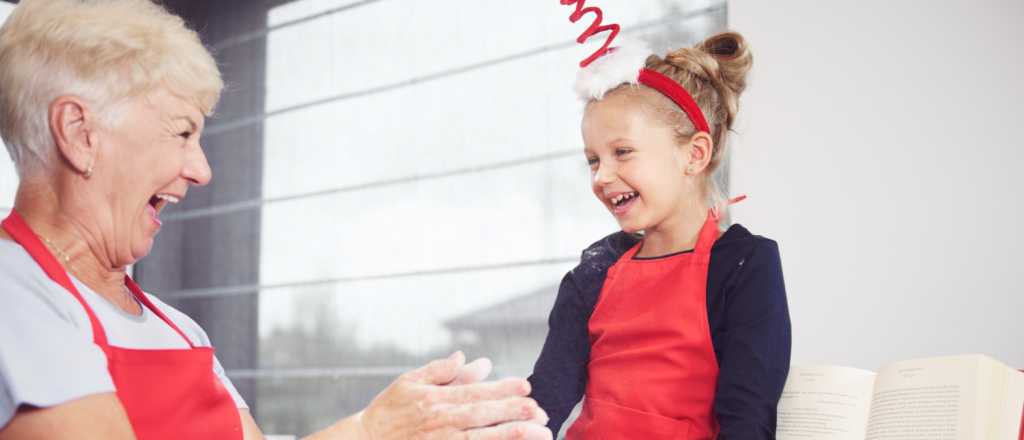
[[595, 28]]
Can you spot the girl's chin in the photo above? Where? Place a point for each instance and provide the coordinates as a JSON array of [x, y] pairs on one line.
[[631, 228]]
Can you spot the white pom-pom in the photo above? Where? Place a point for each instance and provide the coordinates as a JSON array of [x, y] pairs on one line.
[[621, 66]]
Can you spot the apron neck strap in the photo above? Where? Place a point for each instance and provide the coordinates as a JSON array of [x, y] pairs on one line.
[[23, 235], [709, 232], [137, 292], [708, 235], [20, 231]]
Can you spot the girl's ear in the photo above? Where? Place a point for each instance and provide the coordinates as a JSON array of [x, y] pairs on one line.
[[701, 150]]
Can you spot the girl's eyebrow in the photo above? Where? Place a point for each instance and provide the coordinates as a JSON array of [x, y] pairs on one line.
[[617, 141]]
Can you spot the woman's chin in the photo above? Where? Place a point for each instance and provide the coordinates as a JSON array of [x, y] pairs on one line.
[[142, 244], [141, 248]]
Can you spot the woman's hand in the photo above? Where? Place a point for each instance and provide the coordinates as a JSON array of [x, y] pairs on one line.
[[443, 401]]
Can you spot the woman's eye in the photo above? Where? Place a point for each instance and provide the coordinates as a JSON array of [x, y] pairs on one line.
[[185, 134]]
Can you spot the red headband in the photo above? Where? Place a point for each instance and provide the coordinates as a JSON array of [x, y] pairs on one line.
[[672, 90], [650, 78]]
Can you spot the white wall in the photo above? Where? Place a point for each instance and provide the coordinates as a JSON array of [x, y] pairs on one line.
[[880, 143]]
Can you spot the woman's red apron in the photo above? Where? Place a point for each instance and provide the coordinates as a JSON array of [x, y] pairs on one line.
[[652, 371], [168, 394]]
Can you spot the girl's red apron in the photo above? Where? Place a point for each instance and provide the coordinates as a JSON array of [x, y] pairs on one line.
[[652, 371], [168, 394]]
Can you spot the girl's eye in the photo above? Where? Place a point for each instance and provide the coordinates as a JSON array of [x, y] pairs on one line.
[[591, 161], [622, 151]]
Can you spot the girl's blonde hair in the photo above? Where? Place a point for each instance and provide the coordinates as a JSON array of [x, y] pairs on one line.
[[714, 73], [103, 51]]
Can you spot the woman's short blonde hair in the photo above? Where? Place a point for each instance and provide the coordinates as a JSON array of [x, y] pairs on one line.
[[103, 51]]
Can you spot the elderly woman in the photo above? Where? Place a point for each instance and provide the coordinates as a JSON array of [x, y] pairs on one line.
[[102, 103]]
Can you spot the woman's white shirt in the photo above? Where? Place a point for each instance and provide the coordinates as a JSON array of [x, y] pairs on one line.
[[47, 354]]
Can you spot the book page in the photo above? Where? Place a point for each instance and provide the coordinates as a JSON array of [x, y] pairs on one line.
[[934, 399], [1005, 392], [825, 403]]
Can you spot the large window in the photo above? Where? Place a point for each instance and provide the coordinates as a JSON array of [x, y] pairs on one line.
[[393, 180], [424, 188]]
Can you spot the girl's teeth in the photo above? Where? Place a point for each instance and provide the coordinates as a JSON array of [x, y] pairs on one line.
[[622, 197]]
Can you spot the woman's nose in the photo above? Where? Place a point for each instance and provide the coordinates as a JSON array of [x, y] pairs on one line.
[[197, 168]]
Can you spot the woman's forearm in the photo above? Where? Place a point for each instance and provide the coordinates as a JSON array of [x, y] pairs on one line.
[[349, 428], [440, 400]]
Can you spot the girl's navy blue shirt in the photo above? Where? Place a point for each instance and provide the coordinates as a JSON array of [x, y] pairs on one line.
[[747, 314]]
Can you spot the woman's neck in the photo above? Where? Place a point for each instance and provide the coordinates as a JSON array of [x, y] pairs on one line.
[[76, 244]]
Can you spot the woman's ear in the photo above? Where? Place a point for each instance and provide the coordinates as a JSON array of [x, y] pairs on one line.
[[701, 150], [72, 127]]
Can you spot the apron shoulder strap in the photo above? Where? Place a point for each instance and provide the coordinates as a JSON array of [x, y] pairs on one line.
[[23, 235], [709, 232], [137, 292]]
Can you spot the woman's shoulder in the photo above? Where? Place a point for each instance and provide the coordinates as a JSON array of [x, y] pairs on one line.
[[15, 262], [43, 330], [24, 281]]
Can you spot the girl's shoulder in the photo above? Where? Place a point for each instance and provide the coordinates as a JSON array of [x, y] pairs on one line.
[[588, 276], [602, 254], [732, 249], [737, 242]]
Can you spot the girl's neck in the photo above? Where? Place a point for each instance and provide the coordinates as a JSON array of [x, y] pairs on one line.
[[677, 233]]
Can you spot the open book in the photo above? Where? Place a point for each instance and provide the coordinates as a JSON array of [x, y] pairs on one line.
[[969, 397]]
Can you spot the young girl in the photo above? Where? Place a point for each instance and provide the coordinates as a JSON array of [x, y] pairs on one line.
[[670, 328]]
